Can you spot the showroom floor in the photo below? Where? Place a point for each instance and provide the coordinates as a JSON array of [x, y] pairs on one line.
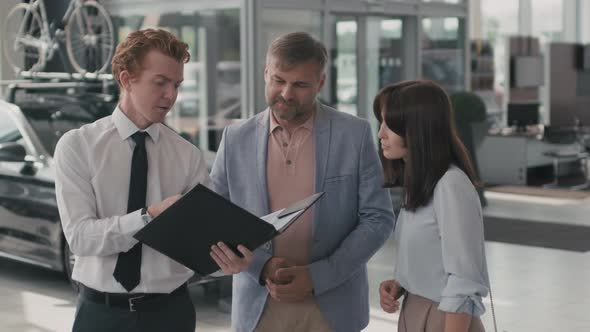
[[535, 289]]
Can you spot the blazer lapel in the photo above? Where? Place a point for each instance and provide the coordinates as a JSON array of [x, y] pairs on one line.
[[322, 149], [262, 128]]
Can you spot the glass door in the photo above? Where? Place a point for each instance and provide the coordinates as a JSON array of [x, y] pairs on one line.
[[443, 52], [343, 70], [385, 58], [367, 53], [210, 97], [385, 36]]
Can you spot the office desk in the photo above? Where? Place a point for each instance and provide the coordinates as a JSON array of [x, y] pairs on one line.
[[505, 159]]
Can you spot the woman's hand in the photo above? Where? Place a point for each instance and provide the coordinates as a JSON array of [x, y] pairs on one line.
[[389, 293]]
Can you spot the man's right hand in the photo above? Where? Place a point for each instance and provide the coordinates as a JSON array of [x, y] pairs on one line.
[[154, 210], [271, 267]]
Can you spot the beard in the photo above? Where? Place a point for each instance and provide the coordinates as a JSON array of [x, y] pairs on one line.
[[285, 110], [288, 110]]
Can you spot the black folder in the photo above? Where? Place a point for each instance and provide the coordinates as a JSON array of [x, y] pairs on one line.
[[186, 230]]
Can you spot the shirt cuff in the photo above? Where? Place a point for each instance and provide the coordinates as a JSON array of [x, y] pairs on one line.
[[471, 305], [255, 268], [131, 223]]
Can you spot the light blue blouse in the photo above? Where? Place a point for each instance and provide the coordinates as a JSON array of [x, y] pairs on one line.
[[440, 252]]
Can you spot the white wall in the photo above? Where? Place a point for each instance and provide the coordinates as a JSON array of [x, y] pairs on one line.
[[584, 21]]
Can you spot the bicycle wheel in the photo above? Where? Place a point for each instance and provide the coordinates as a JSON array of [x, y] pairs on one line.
[[89, 38], [23, 46]]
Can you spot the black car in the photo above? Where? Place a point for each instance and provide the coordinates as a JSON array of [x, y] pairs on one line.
[[30, 228]]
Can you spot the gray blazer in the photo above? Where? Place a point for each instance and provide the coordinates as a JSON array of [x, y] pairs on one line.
[[350, 223]]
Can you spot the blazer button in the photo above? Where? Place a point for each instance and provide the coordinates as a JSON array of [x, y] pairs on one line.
[[266, 246]]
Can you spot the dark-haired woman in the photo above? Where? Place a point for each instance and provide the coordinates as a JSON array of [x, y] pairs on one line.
[[440, 263]]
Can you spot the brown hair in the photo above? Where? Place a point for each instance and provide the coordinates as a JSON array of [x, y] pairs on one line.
[[296, 48], [131, 51], [421, 113]]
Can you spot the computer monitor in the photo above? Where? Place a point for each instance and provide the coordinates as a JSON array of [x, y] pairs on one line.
[[586, 58], [583, 57], [583, 83], [523, 114], [527, 71]]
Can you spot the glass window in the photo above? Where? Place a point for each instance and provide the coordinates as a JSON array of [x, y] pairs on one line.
[[499, 20], [547, 30], [344, 72], [276, 22], [383, 65], [390, 49], [215, 33], [443, 52], [446, 1]]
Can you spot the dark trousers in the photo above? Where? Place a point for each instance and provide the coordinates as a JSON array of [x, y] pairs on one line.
[[170, 313]]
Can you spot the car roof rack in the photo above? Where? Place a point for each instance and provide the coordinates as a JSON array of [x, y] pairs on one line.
[[101, 84], [66, 76]]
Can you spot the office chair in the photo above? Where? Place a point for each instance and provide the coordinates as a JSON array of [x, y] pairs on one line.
[[470, 121]]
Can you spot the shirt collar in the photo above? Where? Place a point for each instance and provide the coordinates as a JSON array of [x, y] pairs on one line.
[[308, 124], [126, 127], [273, 121]]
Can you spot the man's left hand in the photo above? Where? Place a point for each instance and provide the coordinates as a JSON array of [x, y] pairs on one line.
[[228, 261], [300, 287]]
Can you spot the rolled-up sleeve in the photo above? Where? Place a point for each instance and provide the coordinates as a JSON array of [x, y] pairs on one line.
[[459, 217]]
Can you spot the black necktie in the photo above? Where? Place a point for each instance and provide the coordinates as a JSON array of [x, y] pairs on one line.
[[128, 269]]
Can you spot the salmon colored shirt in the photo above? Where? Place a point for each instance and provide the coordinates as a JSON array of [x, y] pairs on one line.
[[290, 166]]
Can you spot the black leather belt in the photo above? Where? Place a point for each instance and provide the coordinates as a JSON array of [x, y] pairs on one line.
[[131, 301]]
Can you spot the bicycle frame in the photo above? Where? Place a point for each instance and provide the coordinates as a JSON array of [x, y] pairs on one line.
[[80, 21], [45, 42], [86, 30], [48, 43], [73, 5]]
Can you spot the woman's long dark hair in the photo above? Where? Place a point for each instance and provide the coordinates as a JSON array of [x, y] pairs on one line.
[[421, 113]]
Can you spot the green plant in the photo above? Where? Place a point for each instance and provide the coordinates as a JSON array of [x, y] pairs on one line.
[[469, 107]]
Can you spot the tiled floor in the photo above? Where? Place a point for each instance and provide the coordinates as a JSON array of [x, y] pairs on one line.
[[534, 289]]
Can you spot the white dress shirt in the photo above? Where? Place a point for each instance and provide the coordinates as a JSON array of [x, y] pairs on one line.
[[440, 253], [93, 167]]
